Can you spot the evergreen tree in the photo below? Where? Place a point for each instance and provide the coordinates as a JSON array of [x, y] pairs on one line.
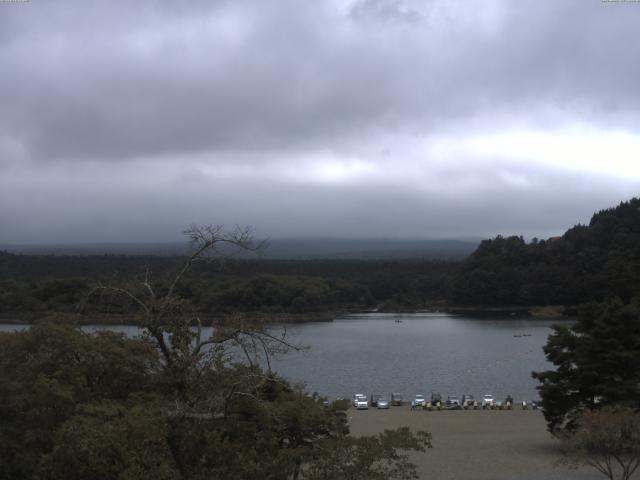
[[597, 363]]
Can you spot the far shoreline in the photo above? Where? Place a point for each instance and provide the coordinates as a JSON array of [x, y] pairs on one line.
[[549, 312]]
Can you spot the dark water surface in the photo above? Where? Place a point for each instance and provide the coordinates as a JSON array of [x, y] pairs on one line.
[[425, 352], [372, 353]]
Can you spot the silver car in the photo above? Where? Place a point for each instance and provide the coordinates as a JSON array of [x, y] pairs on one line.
[[453, 403], [383, 403]]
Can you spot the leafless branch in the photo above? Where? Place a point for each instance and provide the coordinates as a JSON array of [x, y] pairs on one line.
[[126, 293], [147, 283], [205, 240]]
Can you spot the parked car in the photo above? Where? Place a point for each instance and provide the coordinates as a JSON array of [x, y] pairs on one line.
[[419, 401], [508, 402], [360, 401], [453, 403], [468, 401], [488, 401], [382, 403], [374, 399], [435, 398], [396, 399]]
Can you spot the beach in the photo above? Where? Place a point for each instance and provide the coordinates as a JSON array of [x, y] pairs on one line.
[[476, 444]]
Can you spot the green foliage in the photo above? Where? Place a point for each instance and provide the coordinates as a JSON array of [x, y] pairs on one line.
[[597, 363], [172, 404], [33, 285], [299, 294], [102, 406], [47, 373], [587, 263], [108, 440], [378, 457]]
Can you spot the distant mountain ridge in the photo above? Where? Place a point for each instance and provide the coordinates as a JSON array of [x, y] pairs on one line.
[[283, 248], [320, 248]]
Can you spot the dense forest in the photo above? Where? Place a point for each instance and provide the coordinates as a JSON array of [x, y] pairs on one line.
[[32, 285], [589, 262]]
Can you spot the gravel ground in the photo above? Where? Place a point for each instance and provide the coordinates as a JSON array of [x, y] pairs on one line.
[[477, 445]]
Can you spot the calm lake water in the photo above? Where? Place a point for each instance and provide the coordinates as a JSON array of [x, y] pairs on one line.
[[423, 353]]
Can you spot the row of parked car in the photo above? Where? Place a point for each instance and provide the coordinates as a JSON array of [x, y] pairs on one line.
[[360, 401], [453, 402]]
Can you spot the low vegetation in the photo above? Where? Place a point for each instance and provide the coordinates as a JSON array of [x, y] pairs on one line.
[[607, 440]]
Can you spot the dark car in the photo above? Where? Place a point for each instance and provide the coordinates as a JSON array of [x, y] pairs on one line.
[[508, 402], [396, 399], [435, 398]]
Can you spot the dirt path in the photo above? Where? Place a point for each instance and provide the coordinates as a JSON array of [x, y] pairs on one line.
[[476, 445]]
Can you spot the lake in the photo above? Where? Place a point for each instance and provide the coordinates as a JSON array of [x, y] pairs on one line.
[[419, 353]]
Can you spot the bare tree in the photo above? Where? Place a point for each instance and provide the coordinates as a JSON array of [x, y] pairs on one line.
[[203, 376], [220, 403], [607, 440], [175, 326]]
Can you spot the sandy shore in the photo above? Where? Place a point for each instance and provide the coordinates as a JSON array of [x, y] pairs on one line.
[[476, 445]]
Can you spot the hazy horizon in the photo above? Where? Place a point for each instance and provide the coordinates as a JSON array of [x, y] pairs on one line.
[[276, 248]]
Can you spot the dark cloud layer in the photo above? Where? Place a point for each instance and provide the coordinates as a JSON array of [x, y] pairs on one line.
[[357, 118]]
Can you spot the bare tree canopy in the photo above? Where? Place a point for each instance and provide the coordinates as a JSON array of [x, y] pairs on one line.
[[607, 440]]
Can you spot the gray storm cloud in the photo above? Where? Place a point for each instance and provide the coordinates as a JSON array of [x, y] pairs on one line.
[[127, 120]]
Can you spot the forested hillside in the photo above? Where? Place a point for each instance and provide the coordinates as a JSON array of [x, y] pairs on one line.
[[589, 262], [34, 285]]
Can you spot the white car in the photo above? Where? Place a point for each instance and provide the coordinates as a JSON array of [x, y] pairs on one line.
[[488, 401], [419, 401], [360, 401]]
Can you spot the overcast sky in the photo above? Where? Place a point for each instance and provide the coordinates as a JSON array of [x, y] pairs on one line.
[[129, 120]]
